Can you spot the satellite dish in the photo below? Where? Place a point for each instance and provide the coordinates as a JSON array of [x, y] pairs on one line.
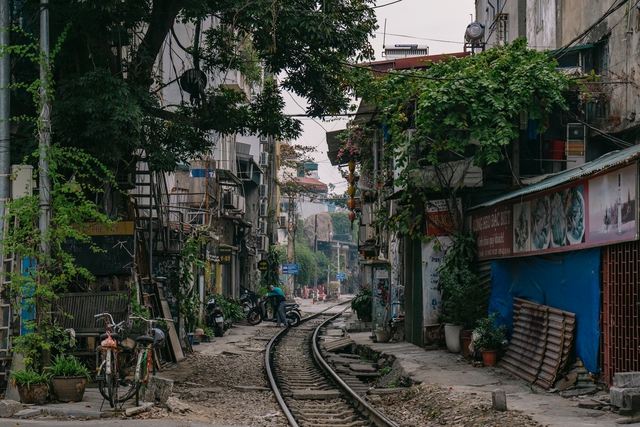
[[474, 32]]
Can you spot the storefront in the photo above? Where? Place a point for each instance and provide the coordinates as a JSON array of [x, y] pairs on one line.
[[556, 242]]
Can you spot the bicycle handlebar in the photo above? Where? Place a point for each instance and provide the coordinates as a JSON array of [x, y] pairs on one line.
[[111, 323], [150, 320]]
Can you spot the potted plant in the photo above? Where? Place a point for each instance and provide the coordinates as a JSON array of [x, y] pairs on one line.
[[33, 387], [69, 378], [362, 304], [464, 299], [489, 338]]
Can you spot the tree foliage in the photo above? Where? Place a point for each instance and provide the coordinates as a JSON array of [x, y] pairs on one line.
[[108, 82], [458, 109]]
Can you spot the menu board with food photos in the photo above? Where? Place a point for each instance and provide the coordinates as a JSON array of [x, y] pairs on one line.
[[590, 212]]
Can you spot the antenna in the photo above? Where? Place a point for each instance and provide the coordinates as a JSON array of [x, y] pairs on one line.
[[384, 35]]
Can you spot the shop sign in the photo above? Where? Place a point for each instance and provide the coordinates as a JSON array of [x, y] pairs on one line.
[[225, 255], [439, 217], [591, 212]]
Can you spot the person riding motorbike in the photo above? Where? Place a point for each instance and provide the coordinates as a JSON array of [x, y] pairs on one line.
[[276, 293]]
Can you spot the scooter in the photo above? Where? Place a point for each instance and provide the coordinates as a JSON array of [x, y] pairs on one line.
[[249, 300], [215, 318], [259, 313]]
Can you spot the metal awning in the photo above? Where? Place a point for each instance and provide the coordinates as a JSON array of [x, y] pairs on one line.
[[228, 176], [603, 163], [334, 146], [571, 49], [366, 112]]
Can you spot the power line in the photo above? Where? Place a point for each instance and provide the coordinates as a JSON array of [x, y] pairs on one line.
[[385, 5], [419, 38]]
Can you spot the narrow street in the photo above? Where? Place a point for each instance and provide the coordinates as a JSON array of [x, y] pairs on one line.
[[223, 383]]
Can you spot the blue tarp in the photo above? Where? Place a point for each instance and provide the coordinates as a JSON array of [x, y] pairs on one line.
[[569, 281]]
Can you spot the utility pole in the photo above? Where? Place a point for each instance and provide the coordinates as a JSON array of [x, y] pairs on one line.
[[44, 135], [339, 280], [290, 242], [5, 114], [329, 238], [44, 142], [315, 253]]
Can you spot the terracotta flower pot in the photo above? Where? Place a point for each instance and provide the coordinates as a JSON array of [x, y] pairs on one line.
[[465, 342], [489, 357], [34, 394], [69, 389]]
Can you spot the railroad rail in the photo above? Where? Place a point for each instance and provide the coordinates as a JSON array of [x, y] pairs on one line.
[[310, 392]]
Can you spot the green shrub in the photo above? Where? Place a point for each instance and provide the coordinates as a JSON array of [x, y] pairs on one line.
[[27, 377], [231, 308], [68, 366], [490, 336], [362, 303]]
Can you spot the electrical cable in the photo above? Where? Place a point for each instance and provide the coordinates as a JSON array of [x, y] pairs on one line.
[[385, 5], [617, 141], [564, 49], [420, 38]]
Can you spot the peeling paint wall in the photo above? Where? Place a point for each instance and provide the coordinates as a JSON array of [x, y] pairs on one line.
[[541, 24]]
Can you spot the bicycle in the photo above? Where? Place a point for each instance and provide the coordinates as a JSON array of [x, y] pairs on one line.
[[144, 353], [111, 376]]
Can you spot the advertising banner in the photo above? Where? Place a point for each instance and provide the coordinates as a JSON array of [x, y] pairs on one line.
[[493, 228], [591, 212]]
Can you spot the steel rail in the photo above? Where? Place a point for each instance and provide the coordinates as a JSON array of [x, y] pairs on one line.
[[272, 380], [378, 418], [267, 363]]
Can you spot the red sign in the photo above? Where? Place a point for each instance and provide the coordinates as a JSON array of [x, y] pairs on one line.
[[493, 229], [439, 220]]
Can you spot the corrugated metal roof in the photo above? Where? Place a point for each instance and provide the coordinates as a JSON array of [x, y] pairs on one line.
[[608, 161]]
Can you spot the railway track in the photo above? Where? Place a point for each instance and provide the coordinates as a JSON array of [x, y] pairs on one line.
[[310, 392]]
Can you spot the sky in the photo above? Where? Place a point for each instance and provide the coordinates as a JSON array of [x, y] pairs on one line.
[[435, 23]]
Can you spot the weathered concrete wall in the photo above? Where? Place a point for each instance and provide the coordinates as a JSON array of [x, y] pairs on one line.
[[541, 30], [486, 13]]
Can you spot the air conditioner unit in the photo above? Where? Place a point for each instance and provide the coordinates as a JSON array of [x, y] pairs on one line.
[[262, 190], [229, 200], [196, 218], [264, 159], [240, 203], [264, 243], [282, 221], [262, 226], [367, 235], [264, 209]]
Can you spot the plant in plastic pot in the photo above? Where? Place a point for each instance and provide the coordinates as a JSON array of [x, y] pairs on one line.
[[362, 304]]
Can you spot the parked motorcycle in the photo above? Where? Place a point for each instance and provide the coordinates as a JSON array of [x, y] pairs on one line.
[[215, 317], [259, 313], [249, 300]]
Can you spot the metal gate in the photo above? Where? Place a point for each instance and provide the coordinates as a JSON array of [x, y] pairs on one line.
[[619, 313]]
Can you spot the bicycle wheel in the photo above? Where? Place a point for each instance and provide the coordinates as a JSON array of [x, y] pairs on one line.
[[141, 376], [105, 380], [128, 386]]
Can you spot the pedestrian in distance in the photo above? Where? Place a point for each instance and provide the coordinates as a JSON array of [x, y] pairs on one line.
[[276, 293]]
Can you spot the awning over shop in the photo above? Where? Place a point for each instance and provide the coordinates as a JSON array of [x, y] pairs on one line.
[[608, 161], [591, 205]]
